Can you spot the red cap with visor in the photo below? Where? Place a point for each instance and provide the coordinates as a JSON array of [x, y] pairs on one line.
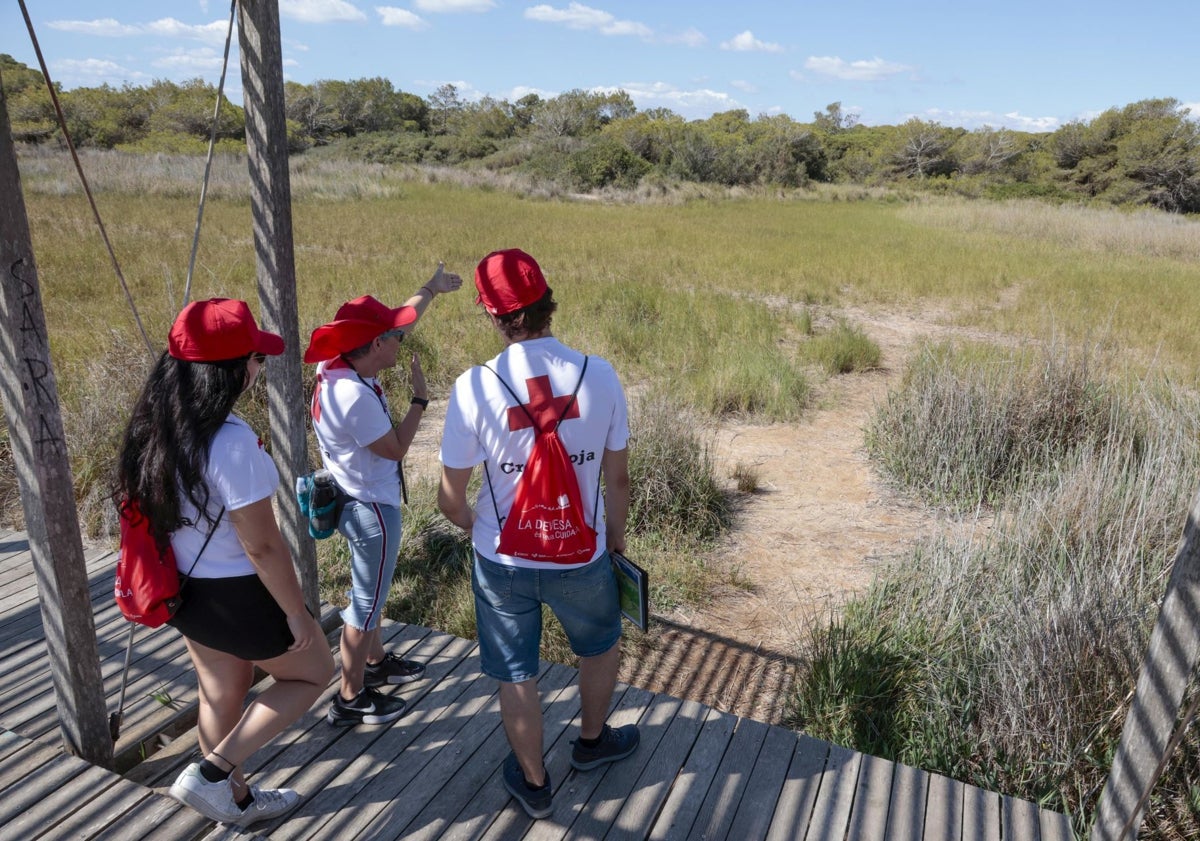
[[219, 329], [508, 280]]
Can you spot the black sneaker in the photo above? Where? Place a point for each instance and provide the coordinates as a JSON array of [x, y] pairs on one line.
[[368, 707], [537, 802], [615, 743], [391, 670]]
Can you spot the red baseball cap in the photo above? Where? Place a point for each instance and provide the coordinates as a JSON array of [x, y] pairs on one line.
[[508, 280], [219, 329], [356, 323]]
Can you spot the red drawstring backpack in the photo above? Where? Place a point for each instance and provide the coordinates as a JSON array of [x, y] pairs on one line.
[[546, 521], [147, 587]]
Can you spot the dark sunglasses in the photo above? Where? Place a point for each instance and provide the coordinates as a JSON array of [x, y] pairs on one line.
[[260, 358], [397, 333]]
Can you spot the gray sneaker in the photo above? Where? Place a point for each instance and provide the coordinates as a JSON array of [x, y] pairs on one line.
[[213, 800], [537, 803], [615, 743], [268, 803]]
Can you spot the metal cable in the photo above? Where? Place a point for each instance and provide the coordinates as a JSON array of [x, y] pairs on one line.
[[212, 140], [83, 179]]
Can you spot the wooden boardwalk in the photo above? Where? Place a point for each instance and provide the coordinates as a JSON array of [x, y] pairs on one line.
[[433, 774]]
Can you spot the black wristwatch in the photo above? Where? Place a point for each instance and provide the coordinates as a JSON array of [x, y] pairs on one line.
[[423, 402]]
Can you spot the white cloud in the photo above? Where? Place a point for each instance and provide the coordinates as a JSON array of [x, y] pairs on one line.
[[391, 16], [697, 103], [579, 16], [1193, 108], [743, 85], [524, 90], [104, 28], [989, 119], [191, 62], [450, 6], [746, 42], [863, 70], [90, 72], [213, 33], [164, 28], [320, 11], [689, 38]]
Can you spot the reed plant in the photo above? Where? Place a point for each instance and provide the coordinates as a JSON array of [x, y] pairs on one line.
[[1006, 658]]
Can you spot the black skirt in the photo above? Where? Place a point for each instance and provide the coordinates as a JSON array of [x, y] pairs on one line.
[[238, 616]]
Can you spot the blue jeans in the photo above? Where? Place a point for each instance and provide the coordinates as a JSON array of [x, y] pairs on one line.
[[372, 531], [508, 613]]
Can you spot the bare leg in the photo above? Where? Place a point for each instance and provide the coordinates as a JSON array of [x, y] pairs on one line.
[[224, 681], [300, 676], [597, 680], [358, 647], [521, 711]]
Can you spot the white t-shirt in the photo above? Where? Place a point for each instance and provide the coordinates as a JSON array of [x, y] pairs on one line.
[[239, 472], [543, 372], [349, 413]]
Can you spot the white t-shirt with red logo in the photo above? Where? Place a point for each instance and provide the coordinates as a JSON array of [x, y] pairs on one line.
[[484, 425], [349, 413], [239, 472]]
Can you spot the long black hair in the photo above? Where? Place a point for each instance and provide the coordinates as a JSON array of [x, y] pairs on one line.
[[165, 449]]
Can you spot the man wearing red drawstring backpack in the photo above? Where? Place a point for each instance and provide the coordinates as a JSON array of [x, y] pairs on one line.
[[494, 414]]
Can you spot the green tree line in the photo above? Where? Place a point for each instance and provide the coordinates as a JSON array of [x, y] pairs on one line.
[[1145, 153]]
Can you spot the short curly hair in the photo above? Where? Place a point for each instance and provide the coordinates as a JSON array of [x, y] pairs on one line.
[[531, 319]]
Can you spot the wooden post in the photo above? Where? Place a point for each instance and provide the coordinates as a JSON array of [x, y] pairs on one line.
[[1173, 652], [271, 196], [39, 448]]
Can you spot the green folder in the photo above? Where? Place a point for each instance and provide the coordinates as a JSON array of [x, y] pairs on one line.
[[633, 589]]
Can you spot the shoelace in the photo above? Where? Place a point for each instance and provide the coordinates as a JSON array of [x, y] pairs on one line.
[[267, 798]]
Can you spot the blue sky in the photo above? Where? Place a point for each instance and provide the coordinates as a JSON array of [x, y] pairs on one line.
[[1018, 64]]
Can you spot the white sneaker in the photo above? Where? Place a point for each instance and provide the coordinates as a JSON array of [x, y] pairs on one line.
[[268, 803], [213, 800]]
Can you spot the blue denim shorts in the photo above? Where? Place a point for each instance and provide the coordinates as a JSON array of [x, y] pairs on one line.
[[372, 531], [508, 613]]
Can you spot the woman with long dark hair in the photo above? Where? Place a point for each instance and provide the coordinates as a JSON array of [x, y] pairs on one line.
[[200, 475]]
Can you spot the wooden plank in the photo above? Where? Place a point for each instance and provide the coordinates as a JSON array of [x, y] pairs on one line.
[[868, 816], [458, 798], [721, 803], [943, 809], [346, 768], [492, 809], [49, 807], [1055, 826], [608, 808], [981, 814], [97, 814], [1162, 681], [831, 812], [140, 819], [662, 771], [800, 789], [694, 779], [753, 818], [906, 809], [577, 790], [1019, 819]]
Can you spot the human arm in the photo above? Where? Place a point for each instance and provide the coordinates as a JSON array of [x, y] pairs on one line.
[[452, 497], [615, 466], [259, 535], [394, 443], [442, 281]]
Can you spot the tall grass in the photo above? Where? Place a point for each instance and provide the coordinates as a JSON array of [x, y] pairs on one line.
[[1006, 659], [969, 424]]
